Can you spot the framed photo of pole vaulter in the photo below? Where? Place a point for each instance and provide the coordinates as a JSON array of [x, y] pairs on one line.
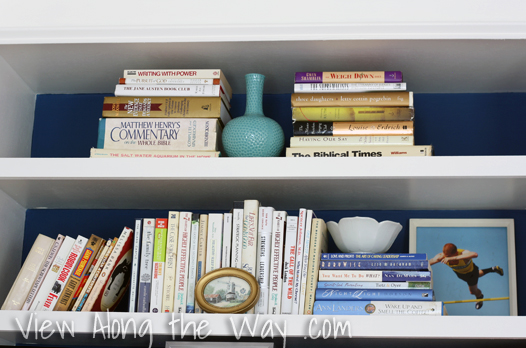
[[472, 263]]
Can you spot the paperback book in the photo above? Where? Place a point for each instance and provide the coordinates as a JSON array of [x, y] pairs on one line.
[[145, 278], [374, 294], [374, 285], [387, 265], [358, 140], [353, 114], [398, 99], [378, 308], [347, 87], [373, 256], [352, 128], [349, 77], [375, 276]]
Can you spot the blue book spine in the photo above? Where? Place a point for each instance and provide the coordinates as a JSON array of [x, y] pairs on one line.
[[376, 294], [370, 256], [377, 308], [388, 265], [374, 285]]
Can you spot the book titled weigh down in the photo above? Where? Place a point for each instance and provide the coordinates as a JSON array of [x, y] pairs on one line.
[[375, 276], [374, 294]]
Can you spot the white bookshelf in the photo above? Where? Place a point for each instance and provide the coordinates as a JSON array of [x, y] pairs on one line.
[[67, 47]]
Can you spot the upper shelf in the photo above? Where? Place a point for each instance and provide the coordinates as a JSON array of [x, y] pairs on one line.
[[405, 183]]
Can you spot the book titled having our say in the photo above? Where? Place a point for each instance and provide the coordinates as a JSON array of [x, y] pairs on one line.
[[361, 151]]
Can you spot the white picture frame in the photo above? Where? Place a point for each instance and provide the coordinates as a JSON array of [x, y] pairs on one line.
[[493, 243]]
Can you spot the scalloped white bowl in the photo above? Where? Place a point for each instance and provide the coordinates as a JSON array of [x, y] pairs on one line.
[[363, 234]]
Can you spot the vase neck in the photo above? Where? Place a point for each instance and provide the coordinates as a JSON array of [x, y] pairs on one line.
[[254, 84]]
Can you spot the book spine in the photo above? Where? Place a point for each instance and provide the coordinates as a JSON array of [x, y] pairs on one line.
[[361, 151], [84, 280], [374, 295], [201, 252], [183, 246], [378, 308], [91, 274], [347, 87], [349, 77], [387, 265], [298, 267], [170, 264], [43, 272], [132, 302], [192, 264], [106, 153], [263, 257], [289, 261], [353, 114], [370, 256], [226, 254], [173, 73], [401, 98], [145, 278], [137, 90], [319, 244], [159, 259], [374, 285], [64, 274], [361, 140], [96, 275], [276, 262], [250, 226], [237, 234], [179, 107], [305, 261], [168, 81], [91, 248], [52, 274], [158, 134], [375, 276], [213, 244], [353, 128]]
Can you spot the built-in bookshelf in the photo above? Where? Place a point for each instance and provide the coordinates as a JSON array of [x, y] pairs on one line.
[[463, 65]]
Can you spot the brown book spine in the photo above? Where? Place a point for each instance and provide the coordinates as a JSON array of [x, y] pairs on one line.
[[353, 99]]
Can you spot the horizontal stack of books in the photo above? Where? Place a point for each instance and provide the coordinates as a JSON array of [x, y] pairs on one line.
[[165, 114], [160, 261], [375, 284], [352, 114]]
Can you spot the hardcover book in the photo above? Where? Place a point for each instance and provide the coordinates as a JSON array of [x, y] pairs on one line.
[[372, 256], [385, 264], [374, 285], [199, 134], [29, 272], [348, 87], [145, 278], [360, 151], [374, 294], [353, 128], [289, 261], [353, 114], [159, 259], [170, 268], [349, 77], [375, 276], [378, 308], [353, 99], [319, 244]]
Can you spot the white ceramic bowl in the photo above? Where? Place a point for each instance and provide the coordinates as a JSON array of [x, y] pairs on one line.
[[363, 234]]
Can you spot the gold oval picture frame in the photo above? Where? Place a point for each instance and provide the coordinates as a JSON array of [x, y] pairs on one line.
[[227, 290]]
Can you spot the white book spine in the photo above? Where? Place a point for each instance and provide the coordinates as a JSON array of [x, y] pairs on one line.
[[132, 303], [276, 262], [348, 87], [302, 219], [159, 259], [192, 264], [145, 278], [165, 73], [250, 226], [305, 262], [227, 240], [263, 259], [43, 271], [171, 262], [168, 90], [289, 262], [161, 81], [237, 237], [64, 273], [213, 245], [52, 274], [183, 246]]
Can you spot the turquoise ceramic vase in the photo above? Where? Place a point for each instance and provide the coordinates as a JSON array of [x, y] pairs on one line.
[[253, 134]]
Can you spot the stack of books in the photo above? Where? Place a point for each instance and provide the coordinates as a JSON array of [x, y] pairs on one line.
[[160, 261], [67, 274], [375, 284], [352, 114], [165, 114]]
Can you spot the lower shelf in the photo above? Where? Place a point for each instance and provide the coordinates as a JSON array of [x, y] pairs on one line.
[[108, 329]]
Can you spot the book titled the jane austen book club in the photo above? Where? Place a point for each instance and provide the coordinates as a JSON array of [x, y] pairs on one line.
[[378, 308], [201, 134]]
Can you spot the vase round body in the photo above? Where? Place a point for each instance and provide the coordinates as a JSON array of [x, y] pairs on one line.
[[253, 134]]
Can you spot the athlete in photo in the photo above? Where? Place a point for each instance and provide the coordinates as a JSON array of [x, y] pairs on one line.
[[461, 262]]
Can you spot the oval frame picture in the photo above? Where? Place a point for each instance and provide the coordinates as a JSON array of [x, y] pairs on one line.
[[227, 290]]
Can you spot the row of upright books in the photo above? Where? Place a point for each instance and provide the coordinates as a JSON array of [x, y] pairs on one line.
[[353, 114], [73, 274], [165, 114], [375, 284]]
